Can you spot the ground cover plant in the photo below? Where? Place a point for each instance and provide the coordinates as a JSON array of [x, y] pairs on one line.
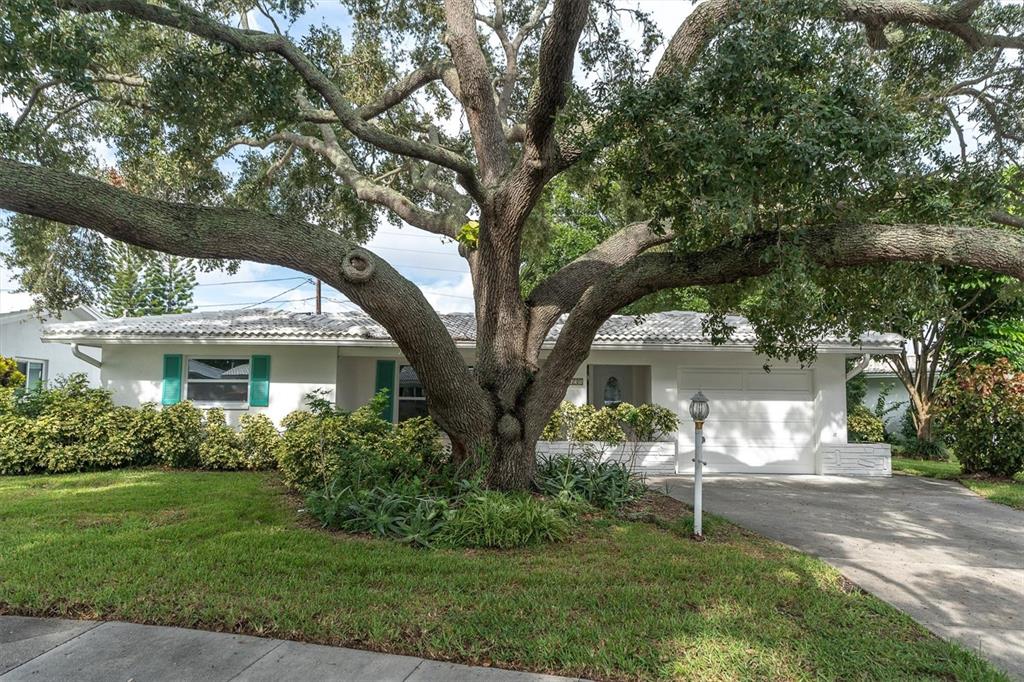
[[625, 600]]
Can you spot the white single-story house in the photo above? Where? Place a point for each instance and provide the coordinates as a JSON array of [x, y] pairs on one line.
[[790, 419], [40, 362]]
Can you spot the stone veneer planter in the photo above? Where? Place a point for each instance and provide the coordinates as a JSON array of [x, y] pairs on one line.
[[856, 459]]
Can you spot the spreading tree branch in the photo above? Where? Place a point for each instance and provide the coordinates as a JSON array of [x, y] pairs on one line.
[[196, 23], [234, 233], [477, 93], [700, 27], [832, 246]]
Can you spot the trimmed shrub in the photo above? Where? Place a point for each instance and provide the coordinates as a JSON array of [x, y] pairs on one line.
[[325, 447], [10, 377], [584, 423], [260, 441], [982, 412], [20, 449], [221, 447], [504, 521], [864, 426], [180, 435], [646, 423], [611, 425]]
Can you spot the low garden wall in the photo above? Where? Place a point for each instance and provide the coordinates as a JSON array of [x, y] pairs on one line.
[[656, 458], [856, 459]]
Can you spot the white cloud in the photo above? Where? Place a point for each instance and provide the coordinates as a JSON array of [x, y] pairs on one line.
[[9, 300]]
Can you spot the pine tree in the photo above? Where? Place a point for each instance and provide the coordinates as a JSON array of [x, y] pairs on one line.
[[169, 282], [147, 284], [125, 293]]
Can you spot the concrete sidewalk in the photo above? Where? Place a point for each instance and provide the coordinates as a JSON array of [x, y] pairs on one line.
[[56, 649], [933, 549]]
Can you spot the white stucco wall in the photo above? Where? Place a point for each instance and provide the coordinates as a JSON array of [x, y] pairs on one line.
[[897, 396], [761, 422], [134, 372], [19, 338], [776, 422]]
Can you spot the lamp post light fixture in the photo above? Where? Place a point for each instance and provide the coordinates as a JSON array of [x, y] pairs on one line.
[[699, 411]]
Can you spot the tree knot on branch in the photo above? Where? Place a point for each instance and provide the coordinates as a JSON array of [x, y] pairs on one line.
[[357, 265], [508, 428]]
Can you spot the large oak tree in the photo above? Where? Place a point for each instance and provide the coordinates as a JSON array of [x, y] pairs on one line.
[[794, 141]]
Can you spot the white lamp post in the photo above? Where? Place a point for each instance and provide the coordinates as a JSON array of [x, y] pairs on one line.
[[699, 411]]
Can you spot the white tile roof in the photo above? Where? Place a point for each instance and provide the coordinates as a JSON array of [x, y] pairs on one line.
[[676, 328]]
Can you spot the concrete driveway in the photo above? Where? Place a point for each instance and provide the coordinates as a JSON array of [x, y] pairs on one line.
[[933, 549]]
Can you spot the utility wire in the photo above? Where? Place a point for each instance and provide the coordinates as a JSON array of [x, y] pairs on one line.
[[286, 291], [250, 281]]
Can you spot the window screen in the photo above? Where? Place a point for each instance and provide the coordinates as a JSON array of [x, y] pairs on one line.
[[218, 380]]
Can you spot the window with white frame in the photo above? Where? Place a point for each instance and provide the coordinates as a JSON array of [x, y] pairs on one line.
[[34, 371], [412, 399], [219, 381]]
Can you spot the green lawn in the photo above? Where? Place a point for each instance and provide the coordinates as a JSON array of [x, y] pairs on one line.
[[624, 600], [1004, 491]]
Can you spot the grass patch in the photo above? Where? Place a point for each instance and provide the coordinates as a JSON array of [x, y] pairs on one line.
[[624, 600], [1008, 491]]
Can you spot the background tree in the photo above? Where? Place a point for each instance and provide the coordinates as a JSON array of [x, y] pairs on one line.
[[125, 294], [169, 282], [773, 140], [147, 284]]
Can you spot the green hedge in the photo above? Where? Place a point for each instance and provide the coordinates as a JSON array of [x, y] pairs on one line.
[[72, 427], [612, 425]]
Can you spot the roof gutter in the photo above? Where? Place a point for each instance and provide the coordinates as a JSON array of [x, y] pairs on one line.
[[77, 352], [859, 366]]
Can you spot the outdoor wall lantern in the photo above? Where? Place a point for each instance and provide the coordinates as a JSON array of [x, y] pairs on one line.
[[699, 411]]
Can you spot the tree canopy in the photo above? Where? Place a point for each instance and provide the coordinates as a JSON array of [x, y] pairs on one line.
[[809, 156]]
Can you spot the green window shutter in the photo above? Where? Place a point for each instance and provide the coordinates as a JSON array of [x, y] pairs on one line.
[[386, 380], [259, 381], [171, 393]]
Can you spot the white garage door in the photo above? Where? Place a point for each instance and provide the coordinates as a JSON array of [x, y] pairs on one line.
[[760, 422]]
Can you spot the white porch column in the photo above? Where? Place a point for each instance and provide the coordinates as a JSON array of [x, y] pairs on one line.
[[829, 403]]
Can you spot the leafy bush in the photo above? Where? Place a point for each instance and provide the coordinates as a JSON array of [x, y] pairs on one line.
[[504, 521], [72, 427], [10, 377], [181, 433], [260, 441], [864, 426], [132, 434], [323, 447], [611, 425], [584, 423], [647, 423], [607, 485], [982, 412], [220, 447], [20, 446]]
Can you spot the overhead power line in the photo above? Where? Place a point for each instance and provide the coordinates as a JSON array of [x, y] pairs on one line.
[[286, 291], [250, 281]]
